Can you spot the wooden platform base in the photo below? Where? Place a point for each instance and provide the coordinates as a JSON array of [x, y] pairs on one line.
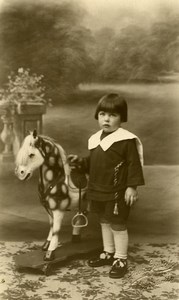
[[34, 259]]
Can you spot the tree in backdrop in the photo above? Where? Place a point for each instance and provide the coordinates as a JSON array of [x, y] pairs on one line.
[[49, 39], [139, 52]]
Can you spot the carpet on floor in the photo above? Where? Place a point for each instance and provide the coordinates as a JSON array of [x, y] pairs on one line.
[[153, 274]]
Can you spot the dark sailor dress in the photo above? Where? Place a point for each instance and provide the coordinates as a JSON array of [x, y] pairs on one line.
[[113, 165]]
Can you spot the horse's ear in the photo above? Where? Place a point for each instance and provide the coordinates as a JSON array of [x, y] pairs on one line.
[[28, 132], [35, 133]]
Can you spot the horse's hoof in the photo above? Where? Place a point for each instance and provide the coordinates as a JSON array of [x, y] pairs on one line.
[[45, 245], [76, 238], [49, 255]]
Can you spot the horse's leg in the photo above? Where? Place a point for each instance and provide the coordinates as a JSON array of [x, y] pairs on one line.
[[57, 222], [47, 242]]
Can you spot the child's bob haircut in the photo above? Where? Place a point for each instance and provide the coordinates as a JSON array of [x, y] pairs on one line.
[[113, 103]]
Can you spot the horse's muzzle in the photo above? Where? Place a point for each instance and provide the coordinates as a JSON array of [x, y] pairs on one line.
[[22, 174]]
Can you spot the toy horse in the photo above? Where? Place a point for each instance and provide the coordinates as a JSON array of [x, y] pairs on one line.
[[57, 191]]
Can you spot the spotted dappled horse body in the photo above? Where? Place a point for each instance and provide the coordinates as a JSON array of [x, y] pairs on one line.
[[57, 191]]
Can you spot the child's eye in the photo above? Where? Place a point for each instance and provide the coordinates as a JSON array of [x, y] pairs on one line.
[[101, 113], [31, 155]]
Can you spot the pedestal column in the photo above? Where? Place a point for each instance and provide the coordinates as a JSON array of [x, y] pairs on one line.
[[7, 137]]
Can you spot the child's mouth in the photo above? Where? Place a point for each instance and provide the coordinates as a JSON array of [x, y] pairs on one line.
[[106, 127]]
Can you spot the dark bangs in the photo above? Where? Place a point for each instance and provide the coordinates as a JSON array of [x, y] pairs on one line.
[[113, 103]]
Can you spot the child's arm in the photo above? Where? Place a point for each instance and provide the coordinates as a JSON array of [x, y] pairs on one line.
[[134, 169], [135, 173]]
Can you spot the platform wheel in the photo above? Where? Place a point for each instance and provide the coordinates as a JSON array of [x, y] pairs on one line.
[[46, 270]]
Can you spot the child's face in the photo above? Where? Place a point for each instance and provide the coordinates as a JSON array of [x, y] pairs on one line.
[[109, 121]]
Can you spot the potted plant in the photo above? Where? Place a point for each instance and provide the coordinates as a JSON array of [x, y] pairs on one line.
[[27, 91], [22, 102]]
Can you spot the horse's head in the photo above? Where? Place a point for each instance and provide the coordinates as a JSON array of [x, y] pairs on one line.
[[29, 156]]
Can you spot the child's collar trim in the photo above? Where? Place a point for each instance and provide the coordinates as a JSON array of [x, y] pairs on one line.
[[119, 135]]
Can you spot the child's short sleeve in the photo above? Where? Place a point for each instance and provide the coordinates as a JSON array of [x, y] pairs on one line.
[[134, 174]]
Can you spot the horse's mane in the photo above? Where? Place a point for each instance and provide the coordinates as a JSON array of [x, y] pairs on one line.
[[49, 139], [53, 141]]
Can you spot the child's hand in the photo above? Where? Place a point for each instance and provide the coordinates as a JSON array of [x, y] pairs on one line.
[[73, 160], [131, 195]]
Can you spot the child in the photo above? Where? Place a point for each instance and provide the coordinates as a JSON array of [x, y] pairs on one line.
[[115, 171]]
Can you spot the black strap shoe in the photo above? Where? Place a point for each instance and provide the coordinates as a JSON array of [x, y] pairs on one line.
[[119, 268], [104, 259]]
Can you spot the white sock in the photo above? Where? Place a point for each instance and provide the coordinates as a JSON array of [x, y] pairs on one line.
[[107, 236], [121, 243]]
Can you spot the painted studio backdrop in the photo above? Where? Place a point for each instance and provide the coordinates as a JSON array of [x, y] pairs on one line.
[[57, 58]]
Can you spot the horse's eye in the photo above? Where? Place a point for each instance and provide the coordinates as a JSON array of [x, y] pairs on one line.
[[31, 155]]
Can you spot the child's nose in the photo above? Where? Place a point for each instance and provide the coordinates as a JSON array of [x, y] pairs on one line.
[[106, 117]]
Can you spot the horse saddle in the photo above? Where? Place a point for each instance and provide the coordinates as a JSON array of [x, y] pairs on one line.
[[79, 178]]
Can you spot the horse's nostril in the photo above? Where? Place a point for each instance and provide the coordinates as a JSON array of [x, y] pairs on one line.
[[22, 172]]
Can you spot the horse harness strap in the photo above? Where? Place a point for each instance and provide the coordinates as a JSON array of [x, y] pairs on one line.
[[43, 193]]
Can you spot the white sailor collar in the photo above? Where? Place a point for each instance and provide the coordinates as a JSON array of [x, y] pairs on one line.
[[119, 135]]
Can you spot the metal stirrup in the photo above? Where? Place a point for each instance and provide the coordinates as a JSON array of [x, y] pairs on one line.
[[79, 215], [78, 219]]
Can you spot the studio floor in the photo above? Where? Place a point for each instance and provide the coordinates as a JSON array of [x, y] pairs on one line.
[[153, 271]]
